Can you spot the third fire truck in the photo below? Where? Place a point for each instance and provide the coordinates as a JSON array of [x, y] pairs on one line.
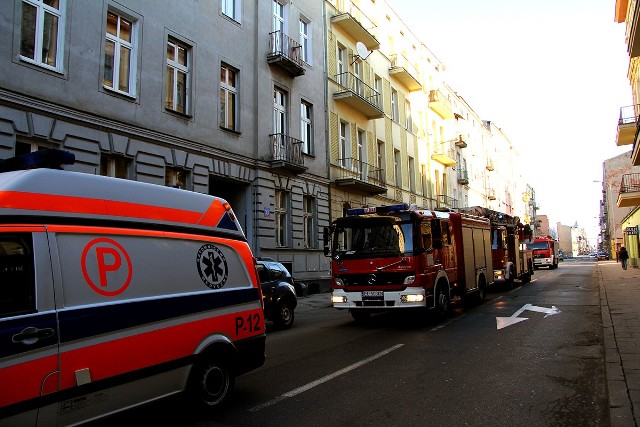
[[398, 257], [512, 260], [545, 252]]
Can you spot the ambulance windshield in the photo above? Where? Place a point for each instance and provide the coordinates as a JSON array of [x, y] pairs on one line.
[[372, 237]]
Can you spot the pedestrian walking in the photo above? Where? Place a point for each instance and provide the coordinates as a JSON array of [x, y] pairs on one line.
[[624, 256]]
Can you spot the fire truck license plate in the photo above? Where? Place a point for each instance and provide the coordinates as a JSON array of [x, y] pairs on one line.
[[372, 295]]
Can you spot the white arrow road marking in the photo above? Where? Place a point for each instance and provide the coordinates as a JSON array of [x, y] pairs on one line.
[[503, 322]]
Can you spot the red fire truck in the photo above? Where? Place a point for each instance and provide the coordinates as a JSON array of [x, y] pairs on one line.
[[511, 258], [397, 257], [545, 252]]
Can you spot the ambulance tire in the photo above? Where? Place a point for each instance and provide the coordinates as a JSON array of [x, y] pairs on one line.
[[442, 302], [210, 383]]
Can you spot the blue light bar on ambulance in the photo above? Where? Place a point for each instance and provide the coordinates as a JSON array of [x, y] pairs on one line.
[[378, 209]]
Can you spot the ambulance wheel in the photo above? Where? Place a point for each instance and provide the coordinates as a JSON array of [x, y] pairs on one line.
[[442, 305], [360, 316], [210, 383], [284, 315]]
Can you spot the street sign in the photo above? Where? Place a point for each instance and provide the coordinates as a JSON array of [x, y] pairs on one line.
[[503, 322]]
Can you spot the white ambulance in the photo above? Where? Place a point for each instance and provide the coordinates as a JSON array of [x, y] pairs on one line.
[[114, 293]]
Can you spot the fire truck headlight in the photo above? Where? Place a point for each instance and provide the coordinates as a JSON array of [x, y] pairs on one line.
[[409, 280], [339, 282], [338, 299], [412, 298], [497, 275]]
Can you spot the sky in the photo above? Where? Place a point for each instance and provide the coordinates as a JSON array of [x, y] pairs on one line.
[[552, 74]]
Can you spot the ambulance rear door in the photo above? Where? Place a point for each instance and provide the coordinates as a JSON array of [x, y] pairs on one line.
[[29, 358]]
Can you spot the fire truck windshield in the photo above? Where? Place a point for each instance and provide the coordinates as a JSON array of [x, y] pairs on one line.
[[372, 237], [538, 246]]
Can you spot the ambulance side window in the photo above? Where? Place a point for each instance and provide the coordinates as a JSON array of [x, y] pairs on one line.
[[17, 279]]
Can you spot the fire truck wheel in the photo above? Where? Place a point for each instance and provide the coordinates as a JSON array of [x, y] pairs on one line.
[[442, 301], [360, 316], [482, 291], [210, 383]]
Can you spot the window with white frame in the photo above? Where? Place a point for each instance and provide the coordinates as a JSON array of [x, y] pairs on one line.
[[407, 115], [232, 9], [380, 158], [425, 182], [120, 54], [306, 127], [176, 178], [342, 143], [177, 97], [412, 175], [228, 97], [308, 213], [397, 167], [42, 32], [394, 105], [114, 166], [279, 111], [361, 143], [342, 65], [281, 213], [305, 41], [377, 87]]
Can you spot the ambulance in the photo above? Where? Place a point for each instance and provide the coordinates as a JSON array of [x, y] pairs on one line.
[[114, 293]]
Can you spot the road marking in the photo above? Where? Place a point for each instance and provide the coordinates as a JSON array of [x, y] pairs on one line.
[[324, 379], [503, 322]]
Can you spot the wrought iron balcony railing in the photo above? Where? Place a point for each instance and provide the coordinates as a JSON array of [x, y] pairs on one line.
[[357, 169], [286, 52], [445, 201], [630, 183], [352, 83], [287, 150]]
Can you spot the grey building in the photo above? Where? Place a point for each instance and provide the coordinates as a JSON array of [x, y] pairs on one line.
[[222, 97]]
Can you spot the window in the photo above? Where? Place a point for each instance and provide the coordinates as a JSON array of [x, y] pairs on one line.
[[228, 97], [357, 71], [380, 158], [394, 105], [407, 115], [119, 54], [377, 86], [412, 175], [308, 213], [342, 54], [425, 182], [176, 178], [178, 74], [17, 278], [114, 166], [26, 148], [361, 142], [342, 143], [279, 111], [396, 167], [232, 9], [281, 210], [306, 127], [305, 44], [42, 32]]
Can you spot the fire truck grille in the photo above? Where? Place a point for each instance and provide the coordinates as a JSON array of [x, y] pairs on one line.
[[538, 255], [357, 282]]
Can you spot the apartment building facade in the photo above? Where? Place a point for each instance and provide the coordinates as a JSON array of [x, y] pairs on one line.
[[215, 97]]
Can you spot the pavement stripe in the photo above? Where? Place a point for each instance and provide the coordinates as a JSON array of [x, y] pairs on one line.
[[324, 379]]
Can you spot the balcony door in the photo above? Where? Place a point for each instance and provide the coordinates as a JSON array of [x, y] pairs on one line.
[[279, 123]]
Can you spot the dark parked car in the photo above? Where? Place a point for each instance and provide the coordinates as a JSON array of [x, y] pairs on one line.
[[278, 291], [603, 256]]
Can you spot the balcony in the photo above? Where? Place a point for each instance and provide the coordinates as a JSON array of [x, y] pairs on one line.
[[629, 191], [445, 201], [491, 194], [463, 176], [403, 71], [461, 141], [286, 154], [444, 156], [490, 167], [627, 125], [360, 177], [351, 20], [358, 95], [284, 52], [440, 104]]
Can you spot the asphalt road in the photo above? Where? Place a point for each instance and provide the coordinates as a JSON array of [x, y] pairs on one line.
[[482, 366]]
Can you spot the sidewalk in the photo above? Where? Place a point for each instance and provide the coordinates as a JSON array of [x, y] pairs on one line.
[[620, 303]]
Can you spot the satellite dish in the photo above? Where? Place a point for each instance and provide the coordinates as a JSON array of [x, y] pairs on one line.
[[362, 50]]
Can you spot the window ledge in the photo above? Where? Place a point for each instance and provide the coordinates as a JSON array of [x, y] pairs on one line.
[[178, 113], [236, 132]]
